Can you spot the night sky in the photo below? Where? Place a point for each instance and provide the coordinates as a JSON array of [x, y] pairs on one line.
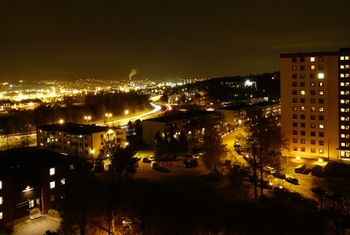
[[162, 39]]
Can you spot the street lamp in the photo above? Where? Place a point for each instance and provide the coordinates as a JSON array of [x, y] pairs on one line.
[[61, 121], [126, 112], [27, 193], [108, 115], [87, 118]]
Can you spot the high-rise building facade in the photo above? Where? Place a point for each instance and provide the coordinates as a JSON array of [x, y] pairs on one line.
[[315, 107]]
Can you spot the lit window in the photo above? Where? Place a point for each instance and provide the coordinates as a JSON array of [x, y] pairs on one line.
[[342, 101], [342, 118], [321, 151], [313, 108], [0, 184], [320, 92], [1, 200], [341, 57], [320, 109], [342, 127], [342, 75], [302, 108], [52, 184], [321, 126], [302, 92], [342, 66], [342, 144], [31, 203], [320, 75], [346, 57], [63, 181], [71, 167], [312, 67], [342, 135], [312, 59], [1, 215], [52, 171]]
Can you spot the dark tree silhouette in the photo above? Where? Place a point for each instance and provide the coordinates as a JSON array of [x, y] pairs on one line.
[[124, 164], [266, 141], [214, 150], [183, 143]]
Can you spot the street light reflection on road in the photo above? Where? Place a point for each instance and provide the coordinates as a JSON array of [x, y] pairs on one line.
[[155, 109]]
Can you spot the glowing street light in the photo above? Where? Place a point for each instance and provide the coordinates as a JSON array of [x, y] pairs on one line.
[[61, 121], [126, 111], [108, 115], [87, 118], [27, 189]]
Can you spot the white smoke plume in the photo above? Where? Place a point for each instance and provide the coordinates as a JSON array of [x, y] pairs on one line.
[[132, 73]]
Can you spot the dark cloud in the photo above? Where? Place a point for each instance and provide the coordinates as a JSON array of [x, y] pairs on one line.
[[162, 39]]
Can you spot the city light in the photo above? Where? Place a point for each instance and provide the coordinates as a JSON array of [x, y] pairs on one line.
[[87, 118], [248, 83], [27, 189], [61, 121]]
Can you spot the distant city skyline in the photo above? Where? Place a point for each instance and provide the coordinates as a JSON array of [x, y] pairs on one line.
[[162, 40]]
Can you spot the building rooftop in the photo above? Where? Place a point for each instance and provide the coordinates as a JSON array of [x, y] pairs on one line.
[[247, 106], [318, 53], [180, 116], [73, 128], [309, 54], [18, 162]]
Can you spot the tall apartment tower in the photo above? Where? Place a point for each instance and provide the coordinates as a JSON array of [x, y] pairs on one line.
[[315, 103]]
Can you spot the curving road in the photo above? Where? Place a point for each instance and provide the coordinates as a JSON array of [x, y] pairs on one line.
[[17, 140], [157, 109]]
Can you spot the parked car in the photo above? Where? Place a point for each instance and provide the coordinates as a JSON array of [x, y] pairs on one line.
[[146, 160], [300, 169], [161, 169], [269, 170], [154, 164], [279, 175], [319, 191], [292, 180], [190, 163], [265, 184], [317, 171]]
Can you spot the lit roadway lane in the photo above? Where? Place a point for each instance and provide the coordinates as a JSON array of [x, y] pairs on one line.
[[157, 109], [306, 182], [29, 139]]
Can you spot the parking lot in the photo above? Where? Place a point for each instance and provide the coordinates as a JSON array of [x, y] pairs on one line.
[[36, 227]]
